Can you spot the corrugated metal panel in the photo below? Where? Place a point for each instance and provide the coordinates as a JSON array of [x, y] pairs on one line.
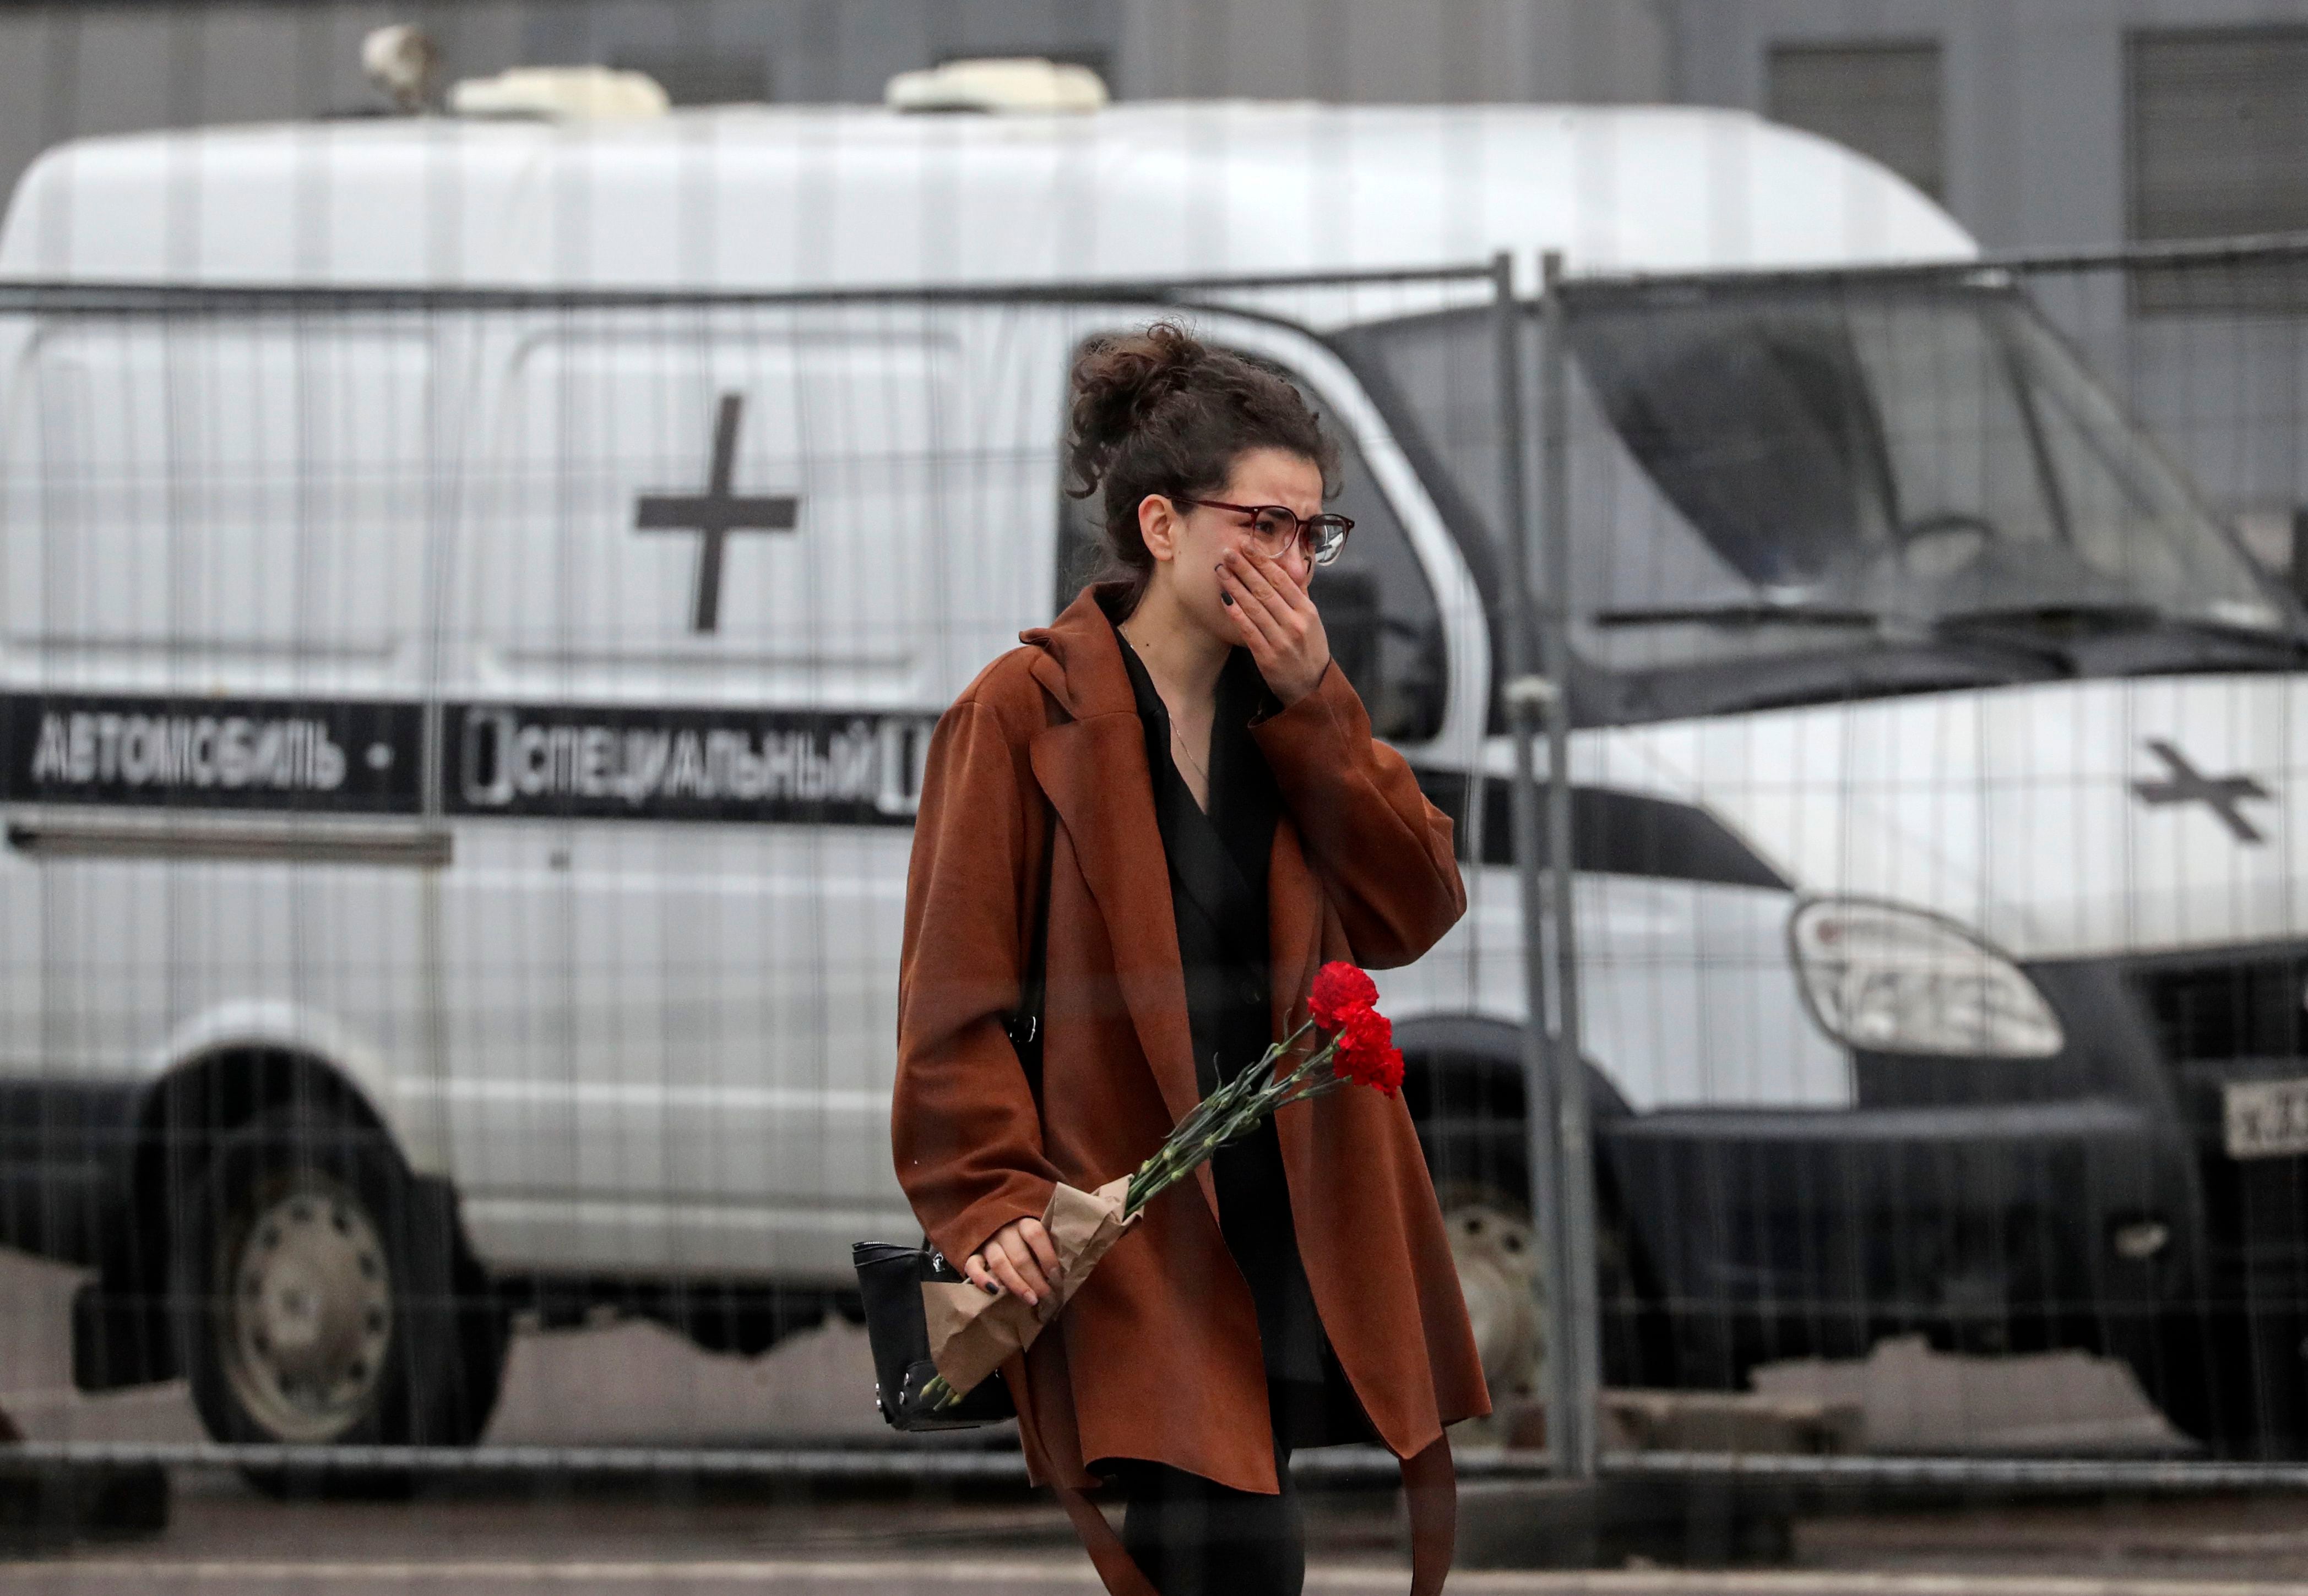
[[1881, 100], [2217, 120], [2218, 126]]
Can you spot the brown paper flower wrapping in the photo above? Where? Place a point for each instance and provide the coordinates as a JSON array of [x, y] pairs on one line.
[[972, 1333]]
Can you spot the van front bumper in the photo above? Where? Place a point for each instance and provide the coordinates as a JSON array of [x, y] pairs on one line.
[[2011, 1227]]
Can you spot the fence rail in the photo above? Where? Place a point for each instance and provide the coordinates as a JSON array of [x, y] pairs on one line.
[[65, 296]]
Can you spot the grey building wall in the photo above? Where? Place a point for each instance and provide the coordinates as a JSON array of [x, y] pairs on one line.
[[2034, 89], [2036, 141], [817, 50], [73, 69], [2034, 108], [70, 71], [1390, 50]]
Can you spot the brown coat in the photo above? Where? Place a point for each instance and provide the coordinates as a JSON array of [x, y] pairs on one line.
[[1158, 1356]]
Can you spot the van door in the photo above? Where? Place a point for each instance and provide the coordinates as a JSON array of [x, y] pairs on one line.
[[728, 567], [213, 577]]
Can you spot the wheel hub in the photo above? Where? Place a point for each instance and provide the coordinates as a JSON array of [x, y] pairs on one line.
[[309, 1312], [1499, 1274]]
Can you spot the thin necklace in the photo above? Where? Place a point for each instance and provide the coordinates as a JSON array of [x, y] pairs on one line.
[[1177, 738], [1179, 743]]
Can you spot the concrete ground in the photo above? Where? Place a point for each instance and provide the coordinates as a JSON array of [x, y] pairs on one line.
[[633, 1383], [613, 1538]]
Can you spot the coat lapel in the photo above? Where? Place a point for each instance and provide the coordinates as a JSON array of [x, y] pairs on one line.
[[1086, 766], [1093, 769]]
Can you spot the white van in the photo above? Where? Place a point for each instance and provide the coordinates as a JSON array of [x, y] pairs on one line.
[[464, 697]]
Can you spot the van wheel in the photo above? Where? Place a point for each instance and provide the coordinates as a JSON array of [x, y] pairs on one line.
[[1502, 1271], [1497, 1256], [315, 1285]]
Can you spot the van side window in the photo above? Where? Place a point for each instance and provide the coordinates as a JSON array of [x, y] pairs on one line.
[[1379, 609]]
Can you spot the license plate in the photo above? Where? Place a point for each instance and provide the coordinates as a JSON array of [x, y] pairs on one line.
[[2267, 1118]]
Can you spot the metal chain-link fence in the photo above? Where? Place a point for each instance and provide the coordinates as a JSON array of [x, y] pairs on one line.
[[462, 751], [1934, 655], [459, 748]]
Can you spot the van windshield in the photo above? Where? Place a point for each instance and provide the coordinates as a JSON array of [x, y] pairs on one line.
[[1922, 475]]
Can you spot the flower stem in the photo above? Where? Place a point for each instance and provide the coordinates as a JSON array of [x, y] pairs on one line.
[[1227, 1115], [1233, 1113]]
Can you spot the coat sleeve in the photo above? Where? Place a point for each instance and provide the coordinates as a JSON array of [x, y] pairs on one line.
[[964, 1130], [1383, 852]]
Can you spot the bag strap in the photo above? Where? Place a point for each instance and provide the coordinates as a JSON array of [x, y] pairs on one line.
[[1117, 1570], [1025, 1023], [1430, 1493]]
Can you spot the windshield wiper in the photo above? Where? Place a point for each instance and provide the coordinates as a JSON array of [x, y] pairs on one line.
[[1739, 615], [2028, 653], [2059, 623]]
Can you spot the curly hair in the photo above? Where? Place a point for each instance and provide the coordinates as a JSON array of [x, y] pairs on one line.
[[1161, 412]]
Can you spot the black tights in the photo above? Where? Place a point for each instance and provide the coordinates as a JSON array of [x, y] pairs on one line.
[[1193, 1536]]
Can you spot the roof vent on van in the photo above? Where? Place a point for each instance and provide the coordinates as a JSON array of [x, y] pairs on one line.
[[574, 93], [1019, 84]]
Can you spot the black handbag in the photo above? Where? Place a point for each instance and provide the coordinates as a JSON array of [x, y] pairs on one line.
[[890, 1275]]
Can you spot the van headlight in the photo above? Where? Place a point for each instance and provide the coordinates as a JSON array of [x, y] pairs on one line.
[[1887, 979]]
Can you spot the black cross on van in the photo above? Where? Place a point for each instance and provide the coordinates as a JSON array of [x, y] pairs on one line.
[[716, 513]]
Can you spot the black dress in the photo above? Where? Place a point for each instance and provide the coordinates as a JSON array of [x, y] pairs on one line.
[[1188, 1535], [1217, 864]]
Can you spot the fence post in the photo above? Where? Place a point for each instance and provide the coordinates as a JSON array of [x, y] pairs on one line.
[[1575, 1331], [1527, 694]]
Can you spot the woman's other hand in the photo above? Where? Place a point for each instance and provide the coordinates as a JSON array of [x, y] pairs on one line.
[[1277, 622], [1019, 1258]]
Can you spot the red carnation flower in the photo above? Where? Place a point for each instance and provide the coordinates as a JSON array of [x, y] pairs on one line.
[[1388, 1079], [1366, 1053], [1340, 990]]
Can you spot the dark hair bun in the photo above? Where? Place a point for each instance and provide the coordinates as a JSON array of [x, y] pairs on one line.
[[1119, 383]]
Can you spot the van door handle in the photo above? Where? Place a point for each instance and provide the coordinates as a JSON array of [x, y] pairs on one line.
[[302, 840]]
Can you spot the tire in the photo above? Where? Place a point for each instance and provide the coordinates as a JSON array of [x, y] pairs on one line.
[[316, 1286], [1501, 1272], [1501, 1277]]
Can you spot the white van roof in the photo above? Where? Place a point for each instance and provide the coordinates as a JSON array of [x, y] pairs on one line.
[[781, 198]]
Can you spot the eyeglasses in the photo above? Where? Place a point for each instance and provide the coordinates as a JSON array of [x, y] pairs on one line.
[[1276, 527]]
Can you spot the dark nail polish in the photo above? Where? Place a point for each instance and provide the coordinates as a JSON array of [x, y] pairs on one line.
[[992, 1290], [1227, 598]]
